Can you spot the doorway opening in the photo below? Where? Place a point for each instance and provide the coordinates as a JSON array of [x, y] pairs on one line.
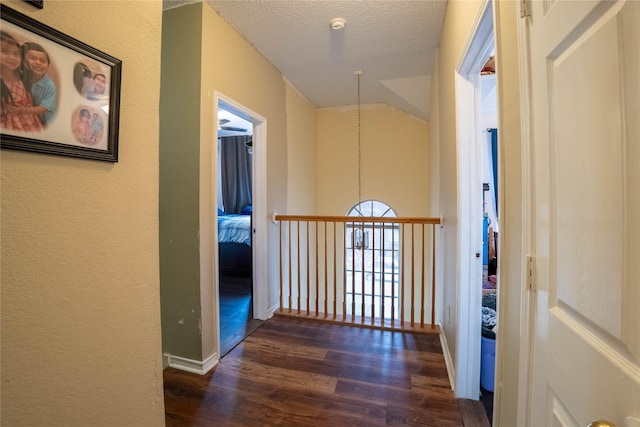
[[476, 119], [235, 178], [490, 229]]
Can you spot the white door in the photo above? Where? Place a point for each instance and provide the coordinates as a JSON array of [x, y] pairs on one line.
[[585, 75]]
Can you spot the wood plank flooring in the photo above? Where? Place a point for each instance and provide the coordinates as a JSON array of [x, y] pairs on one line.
[[236, 311], [294, 372]]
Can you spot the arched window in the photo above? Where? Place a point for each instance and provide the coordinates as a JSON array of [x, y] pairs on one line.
[[372, 269]]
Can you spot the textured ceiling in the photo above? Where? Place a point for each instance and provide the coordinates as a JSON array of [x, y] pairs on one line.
[[394, 42]]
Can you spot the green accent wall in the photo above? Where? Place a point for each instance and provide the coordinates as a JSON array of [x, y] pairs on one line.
[[179, 181]]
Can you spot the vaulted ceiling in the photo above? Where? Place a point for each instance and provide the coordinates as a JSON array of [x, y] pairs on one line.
[[394, 42]]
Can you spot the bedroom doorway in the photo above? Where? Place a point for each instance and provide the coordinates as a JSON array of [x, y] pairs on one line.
[[235, 173], [488, 148], [476, 124]]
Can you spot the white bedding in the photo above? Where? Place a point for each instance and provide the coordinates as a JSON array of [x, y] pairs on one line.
[[234, 228]]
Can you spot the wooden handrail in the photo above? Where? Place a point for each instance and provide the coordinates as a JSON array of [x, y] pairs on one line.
[[329, 218]]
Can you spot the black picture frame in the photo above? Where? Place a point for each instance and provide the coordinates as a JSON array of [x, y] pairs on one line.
[[77, 104], [37, 3]]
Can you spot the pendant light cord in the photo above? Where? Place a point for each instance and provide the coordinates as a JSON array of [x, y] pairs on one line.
[[358, 74]]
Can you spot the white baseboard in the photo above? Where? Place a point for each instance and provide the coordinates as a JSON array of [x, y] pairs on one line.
[[272, 310], [451, 370], [190, 365]]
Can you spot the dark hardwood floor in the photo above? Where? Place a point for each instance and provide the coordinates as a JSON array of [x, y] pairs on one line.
[[486, 398], [295, 372], [236, 311]]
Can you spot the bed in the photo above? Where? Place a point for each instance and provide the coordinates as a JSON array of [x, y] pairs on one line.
[[234, 244]]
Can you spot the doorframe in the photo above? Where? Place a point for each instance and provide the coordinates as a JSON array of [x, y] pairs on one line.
[[209, 221], [528, 297], [258, 200], [468, 137]]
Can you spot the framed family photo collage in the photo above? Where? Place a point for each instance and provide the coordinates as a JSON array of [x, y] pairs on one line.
[[58, 95]]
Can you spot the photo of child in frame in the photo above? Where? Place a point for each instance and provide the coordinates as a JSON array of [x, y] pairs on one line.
[[90, 81], [88, 125], [28, 85]]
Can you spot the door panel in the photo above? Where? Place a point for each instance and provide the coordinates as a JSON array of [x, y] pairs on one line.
[[586, 121], [587, 176]]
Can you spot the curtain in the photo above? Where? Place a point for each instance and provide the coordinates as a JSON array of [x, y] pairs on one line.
[[219, 177], [494, 163], [236, 173]]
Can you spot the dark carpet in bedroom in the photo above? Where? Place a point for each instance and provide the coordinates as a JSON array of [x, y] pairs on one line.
[[236, 312]]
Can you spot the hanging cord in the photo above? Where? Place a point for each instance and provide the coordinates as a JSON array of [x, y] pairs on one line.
[[358, 74], [362, 238]]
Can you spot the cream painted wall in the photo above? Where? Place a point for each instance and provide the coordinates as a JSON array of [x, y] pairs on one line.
[[394, 152], [434, 179], [457, 25], [79, 249], [233, 67], [302, 125]]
